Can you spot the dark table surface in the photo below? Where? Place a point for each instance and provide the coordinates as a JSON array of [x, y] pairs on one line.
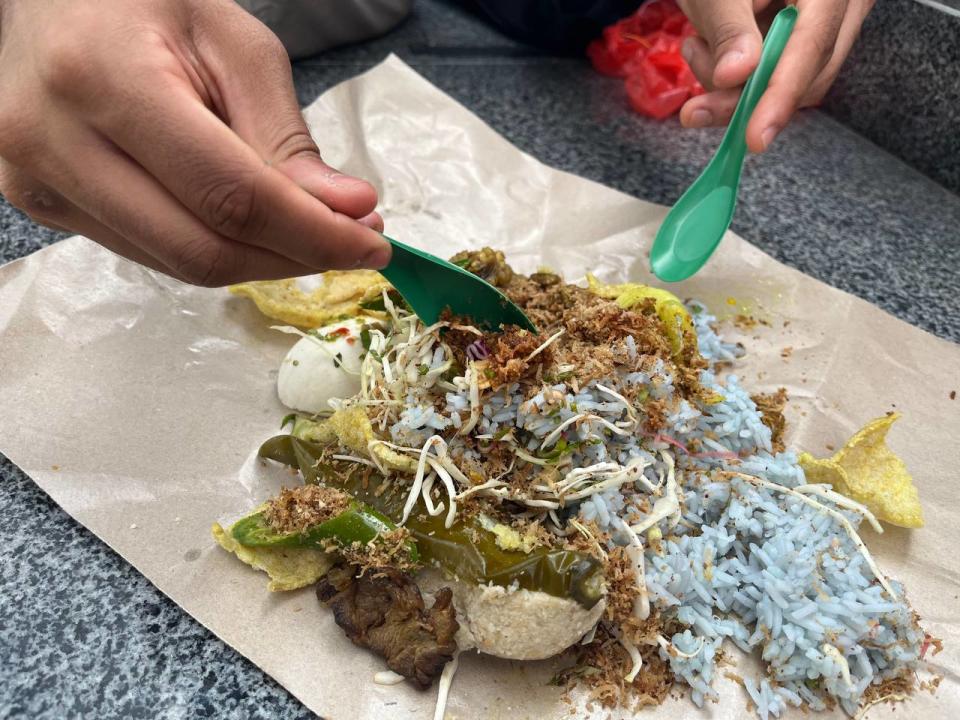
[[83, 634]]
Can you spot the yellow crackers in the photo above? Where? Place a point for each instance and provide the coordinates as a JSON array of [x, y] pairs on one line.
[[867, 471], [354, 431], [351, 428], [337, 298], [289, 568]]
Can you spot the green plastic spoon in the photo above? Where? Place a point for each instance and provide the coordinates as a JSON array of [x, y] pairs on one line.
[[695, 225], [432, 285]]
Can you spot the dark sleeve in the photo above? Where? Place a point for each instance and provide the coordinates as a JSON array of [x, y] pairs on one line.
[[563, 26], [307, 27]]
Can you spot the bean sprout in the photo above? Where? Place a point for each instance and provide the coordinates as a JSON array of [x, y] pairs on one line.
[[666, 506], [674, 650], [635, 658], [418, 479], [443, 689], [474, 402], [843, 501], [641, 604], [432, 510], [838, 657], [354, 458], [832, 513], [549, 341], [451, 490], [626, 403]]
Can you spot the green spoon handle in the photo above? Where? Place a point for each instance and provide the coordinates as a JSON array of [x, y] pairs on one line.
[[773, 45]]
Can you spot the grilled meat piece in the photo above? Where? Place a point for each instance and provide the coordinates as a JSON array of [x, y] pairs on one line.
[[383, 610]]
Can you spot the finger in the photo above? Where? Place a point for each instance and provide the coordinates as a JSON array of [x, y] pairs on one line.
[[224, 182], [119, 194], [849, 31], [252, 73], [342, 193], [710, 109], [372, 221], [731, 32], [87, 226], [47, 207], [807, 52], [36, 200], [698, 56]]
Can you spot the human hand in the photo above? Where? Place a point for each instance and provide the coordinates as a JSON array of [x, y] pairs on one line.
[[169, 132], [728, 50]]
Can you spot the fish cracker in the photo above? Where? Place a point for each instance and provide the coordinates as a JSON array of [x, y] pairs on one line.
[[866, 470], [338, 297]]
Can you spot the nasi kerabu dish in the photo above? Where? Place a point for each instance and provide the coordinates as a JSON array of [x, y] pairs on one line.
[[604, 489]]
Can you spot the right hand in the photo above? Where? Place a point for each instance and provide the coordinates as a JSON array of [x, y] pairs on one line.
[[728, 49], [169, 132]]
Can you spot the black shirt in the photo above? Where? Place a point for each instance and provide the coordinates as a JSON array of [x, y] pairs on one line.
[[564, 26]]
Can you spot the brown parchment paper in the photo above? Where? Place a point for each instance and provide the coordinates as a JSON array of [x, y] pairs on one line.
[[138, 403]]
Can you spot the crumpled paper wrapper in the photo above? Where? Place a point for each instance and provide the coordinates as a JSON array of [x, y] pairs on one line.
[[138, 403]]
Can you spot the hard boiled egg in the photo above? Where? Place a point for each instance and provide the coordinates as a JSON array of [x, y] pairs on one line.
[[322, 366]]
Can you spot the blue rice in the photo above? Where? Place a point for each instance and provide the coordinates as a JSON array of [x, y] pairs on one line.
[[747, 565]]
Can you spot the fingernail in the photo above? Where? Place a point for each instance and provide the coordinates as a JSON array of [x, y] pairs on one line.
[[341, 180], [768, 136], [701, 118], [731, 57], [331, 174], [372, 221], [378, 258]]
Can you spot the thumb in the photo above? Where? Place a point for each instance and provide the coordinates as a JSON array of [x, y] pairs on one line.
[[730, 30], [259, 103]]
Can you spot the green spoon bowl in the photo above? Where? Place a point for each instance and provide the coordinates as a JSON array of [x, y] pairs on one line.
[[432, 285], [696, 224]]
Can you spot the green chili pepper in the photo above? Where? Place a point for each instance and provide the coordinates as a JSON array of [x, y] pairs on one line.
[[465, 549], [373, 304], [377, 302], [357, 524]]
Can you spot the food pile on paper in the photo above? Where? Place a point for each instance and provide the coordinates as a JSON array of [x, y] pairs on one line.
[[139, 404]]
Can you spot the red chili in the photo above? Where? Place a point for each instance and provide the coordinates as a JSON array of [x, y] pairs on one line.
[[645, 50]]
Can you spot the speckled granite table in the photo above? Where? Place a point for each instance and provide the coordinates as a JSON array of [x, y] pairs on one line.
[[83, 635]]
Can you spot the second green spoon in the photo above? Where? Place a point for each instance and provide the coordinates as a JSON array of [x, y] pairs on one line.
[[695, 225]]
